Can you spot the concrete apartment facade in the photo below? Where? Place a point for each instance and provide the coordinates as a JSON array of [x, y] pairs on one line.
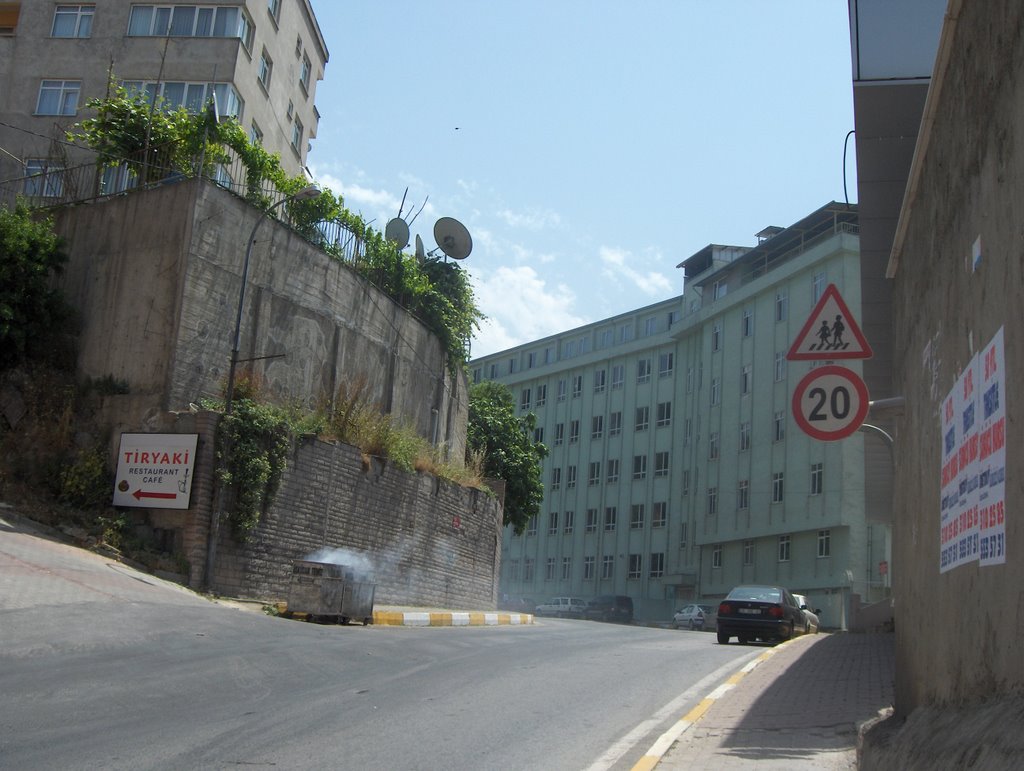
[[262, 59], [676, 470]]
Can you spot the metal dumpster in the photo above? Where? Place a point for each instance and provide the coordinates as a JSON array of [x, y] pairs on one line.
[[326, 591]]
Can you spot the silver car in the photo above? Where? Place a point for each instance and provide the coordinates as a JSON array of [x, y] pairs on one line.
[[696, 616], [562, 607], [812, 623]]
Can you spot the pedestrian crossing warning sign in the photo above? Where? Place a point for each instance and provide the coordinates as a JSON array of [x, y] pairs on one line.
[[830, 332]]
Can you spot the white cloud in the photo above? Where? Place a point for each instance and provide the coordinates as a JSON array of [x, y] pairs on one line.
[[619, 265], [531, 220]]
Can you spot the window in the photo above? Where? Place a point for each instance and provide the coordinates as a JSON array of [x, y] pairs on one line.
[[594, 474], [659, 514], [636, 516], [610, 513], [566, 568], [824, 543], [493, 371], [597, 427], [531, 527], [626, 333], [531, 360], [570, 477], [780, 366], [608, 566], [685, 482], [591, 525], [538, 435], [657, 569], [569, 349], [643, 418], [256, 137], [745, 375], [639, 467], [298, 46], [549, 574], [719, 288], [193, 96], [665, 413], [781, 306], [513, 570], [613, 470], [817, 286], [615, 424], [577, 385], [556, 478], [618, 376], [743, 494], [778, 487], [559, 433], [747, 324], [265, 69], [274, 7], [783, 548], [190, 21], [43, 179], [304, 71], [661, 464], [552, 523], [643, 371], [716, 336], [297, 129], [73, 21], [684, 530], [607, 338], [549, 355], [687, 430], [748, 553], [561, 390], [713, 446], [542, 395], [528, 570], [650, 326], [817, 478], [524, 399], [716, 556], [513, 364], [716, 390], [779, 426], [712, 501], [744, 436], [636, 565], [599, 378], [58, 97], [673, 317], [574, 431], [666, 362], [588, 567]]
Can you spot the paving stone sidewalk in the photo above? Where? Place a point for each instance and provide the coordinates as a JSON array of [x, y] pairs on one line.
[[798, 708]]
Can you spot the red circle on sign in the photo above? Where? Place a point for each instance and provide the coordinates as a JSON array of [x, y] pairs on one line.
[[815, 401]]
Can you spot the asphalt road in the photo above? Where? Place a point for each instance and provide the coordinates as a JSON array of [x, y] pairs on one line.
[[103, 667]]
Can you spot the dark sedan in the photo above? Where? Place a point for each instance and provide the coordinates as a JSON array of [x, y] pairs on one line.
[[768, 613]]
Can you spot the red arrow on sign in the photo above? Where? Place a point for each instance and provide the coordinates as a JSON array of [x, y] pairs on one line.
[[139, 495]]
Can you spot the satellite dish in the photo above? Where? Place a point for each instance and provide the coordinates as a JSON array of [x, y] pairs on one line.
[[453, 238], [397, 231], [421, 255]]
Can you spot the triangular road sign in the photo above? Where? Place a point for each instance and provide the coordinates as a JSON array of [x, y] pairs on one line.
[[830, 332]]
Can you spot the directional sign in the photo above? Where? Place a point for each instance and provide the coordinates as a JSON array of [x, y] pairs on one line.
[[830, 332], [830, 403], [155, 470]]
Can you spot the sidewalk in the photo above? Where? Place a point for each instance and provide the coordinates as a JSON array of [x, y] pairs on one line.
[[799, 705]]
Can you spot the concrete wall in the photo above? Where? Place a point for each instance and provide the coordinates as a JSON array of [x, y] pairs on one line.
[[156, 276], [959, 632]]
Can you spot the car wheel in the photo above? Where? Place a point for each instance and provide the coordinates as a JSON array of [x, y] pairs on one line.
[[744, 640], [807, 628], [723, 638], [691, 624]]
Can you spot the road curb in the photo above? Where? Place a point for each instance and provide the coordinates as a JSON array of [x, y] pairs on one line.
[[664, 743], [449, 618]]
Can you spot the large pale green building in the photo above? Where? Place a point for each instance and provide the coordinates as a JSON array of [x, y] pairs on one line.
[[675, 468]]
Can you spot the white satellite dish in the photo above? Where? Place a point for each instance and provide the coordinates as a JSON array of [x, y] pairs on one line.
[[452, 238], [398, 231], [421, 255]]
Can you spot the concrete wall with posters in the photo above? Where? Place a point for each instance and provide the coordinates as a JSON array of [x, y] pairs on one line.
[[156, 275], [959, 631]]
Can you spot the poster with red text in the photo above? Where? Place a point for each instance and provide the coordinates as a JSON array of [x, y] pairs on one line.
[[958, 538], [992, 454]]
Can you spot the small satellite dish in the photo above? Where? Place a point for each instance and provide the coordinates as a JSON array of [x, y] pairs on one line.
[[397, 231], [452, 238], [421, 255]]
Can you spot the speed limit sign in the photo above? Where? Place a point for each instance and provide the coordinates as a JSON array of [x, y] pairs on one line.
[[830, 403]]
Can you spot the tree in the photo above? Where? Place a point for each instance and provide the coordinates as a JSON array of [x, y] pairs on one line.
[[31, 312], [509, 450]]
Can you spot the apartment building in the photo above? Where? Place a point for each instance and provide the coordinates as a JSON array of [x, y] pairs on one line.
[[260, 58], [676, 469]]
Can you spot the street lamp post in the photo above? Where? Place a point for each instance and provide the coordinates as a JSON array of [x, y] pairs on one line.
[[311, 191]]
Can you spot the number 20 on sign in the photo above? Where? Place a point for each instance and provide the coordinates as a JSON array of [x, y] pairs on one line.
[[830, 403]]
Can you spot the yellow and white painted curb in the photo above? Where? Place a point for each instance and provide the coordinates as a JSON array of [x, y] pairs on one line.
[[449, 618], [671, 736]]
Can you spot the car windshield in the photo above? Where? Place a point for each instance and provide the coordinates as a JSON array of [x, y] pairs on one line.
[[756, 593]]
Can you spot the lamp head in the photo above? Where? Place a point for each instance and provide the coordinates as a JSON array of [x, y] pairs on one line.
[[311, 191]]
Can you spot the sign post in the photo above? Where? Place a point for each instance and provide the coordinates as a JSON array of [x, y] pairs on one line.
[[830, 403]]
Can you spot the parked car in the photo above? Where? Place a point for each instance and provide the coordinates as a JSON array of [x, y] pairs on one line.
[[693, 616], [810, 616], [768, 613], [610, 607], [562, 607]]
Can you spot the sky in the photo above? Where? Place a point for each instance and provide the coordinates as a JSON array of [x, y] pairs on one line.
[[588, 146]]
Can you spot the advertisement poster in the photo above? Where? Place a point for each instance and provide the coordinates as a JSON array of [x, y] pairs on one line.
[[992, 454], [959, 521]]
